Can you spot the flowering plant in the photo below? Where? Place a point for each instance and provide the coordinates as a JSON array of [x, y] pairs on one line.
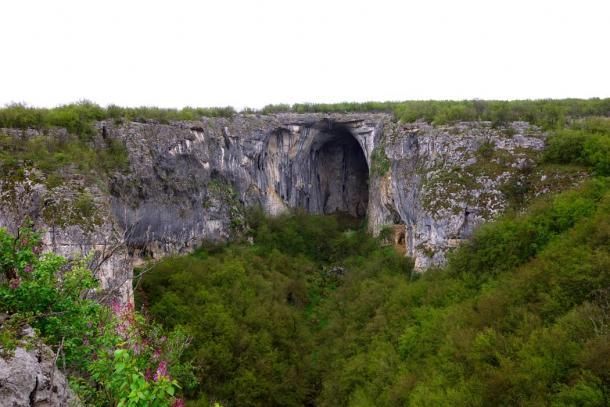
[[137, 362], [114, 355]]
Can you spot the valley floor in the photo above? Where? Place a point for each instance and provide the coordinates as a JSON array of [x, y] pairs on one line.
[[316, 312]]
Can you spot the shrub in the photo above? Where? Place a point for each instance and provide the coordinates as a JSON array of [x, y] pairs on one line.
[[380, 163], [511, 241], [566, 147], [580, 147], [58, 157], [597, 154], [486, 148], [111, 353]]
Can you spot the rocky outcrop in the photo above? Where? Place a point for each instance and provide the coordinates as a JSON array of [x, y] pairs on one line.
[[191, 181], [69, 230], [444, 181], [29, 377]]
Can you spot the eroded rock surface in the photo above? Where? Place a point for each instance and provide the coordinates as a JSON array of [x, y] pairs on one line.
[[191, 181], [29, 378], [68, 231]]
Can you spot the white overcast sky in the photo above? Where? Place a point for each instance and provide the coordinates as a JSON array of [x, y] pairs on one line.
[[250, 53]]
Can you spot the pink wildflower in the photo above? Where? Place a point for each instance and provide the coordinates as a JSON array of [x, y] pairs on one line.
[[37, 249], [137, 348], [28, 268], [115, 306], [161, 371], [14, 283], [148, 374], [178, 403]]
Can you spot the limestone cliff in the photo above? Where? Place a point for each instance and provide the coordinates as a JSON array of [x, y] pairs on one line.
[[430, 186]]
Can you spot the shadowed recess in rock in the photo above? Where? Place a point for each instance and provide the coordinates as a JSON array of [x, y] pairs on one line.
[[340, 174]]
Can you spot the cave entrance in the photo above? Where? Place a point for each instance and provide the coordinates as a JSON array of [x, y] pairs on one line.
[[340, 172]]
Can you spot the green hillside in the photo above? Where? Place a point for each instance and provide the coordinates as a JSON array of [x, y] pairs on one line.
[[519, 316], [312, 310]]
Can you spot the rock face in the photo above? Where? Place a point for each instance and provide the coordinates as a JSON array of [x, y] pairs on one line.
[[191, 181], [68, 232], [28, 377], [445, 181]]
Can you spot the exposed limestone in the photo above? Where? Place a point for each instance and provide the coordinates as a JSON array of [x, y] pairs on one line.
[[65, 229], [190, 181], [447, 180], [28, 377], [440, 183]]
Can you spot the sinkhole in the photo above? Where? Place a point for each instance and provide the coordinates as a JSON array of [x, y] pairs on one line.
[[340, 174]]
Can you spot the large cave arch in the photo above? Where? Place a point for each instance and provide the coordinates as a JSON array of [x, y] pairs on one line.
[[339, 172]]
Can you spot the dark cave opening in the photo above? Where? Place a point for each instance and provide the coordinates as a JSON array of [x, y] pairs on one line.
[[340, 172]]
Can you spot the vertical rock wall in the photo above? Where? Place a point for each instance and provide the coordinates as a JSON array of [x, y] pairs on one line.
[[437, 183], [191, 181]]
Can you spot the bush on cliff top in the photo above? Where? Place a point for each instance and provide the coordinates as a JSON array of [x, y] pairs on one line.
[[78, 117], [548, 113], [54, 154], [586, 143]]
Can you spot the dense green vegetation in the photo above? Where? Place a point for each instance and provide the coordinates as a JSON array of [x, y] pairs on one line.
[[317, 312], [548, 113], [251, 309], [586, 142], [78, 117], [113, 355], [311, 310], [58, 157], [506, 323]]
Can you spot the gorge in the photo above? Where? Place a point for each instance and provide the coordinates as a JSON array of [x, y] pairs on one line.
[[190, 181], [313, 258]]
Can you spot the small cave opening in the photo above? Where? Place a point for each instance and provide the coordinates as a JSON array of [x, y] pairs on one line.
[[340, 175], [400, 239]]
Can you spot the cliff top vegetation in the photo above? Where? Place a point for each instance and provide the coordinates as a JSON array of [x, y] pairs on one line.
[[548, 113]]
